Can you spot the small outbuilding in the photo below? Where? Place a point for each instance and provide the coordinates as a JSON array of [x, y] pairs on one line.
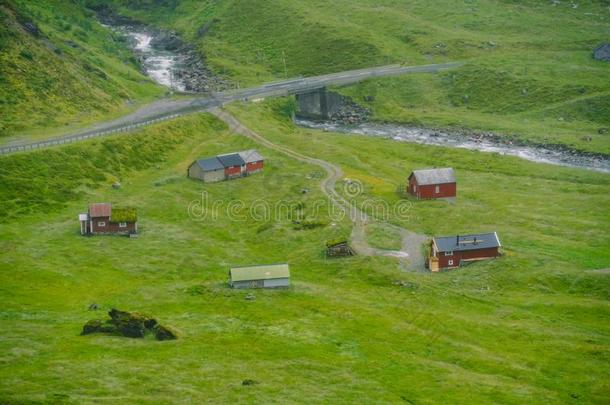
[[254, 161], [208, 170], [227, 166], [448, 252], [433, 183], [102, 218], [260, 276]]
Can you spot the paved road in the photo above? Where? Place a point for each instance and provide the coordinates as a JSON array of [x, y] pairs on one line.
[[410, 256], [168, 109]]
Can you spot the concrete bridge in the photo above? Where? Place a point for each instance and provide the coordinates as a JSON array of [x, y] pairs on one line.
[[311, 90], [318, 104]]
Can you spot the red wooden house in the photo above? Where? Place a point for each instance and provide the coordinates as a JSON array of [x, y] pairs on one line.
[[234, 165], [432, 183], [101, 219], [448, 252]]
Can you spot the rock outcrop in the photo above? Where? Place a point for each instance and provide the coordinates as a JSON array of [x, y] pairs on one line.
[[129, 324]]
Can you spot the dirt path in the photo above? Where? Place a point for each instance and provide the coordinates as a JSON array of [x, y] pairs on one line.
[[410, 256]]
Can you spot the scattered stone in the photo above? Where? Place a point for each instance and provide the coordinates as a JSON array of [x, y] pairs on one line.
[[250, 297], [405, 284], [586, 138], [350, 113], [369, 99], [71, 44], [31, 28], [93, 307], [602, 52], [167, 41], [304, 190], [128, 324], [602, 131], [116, 185], [248, 381]]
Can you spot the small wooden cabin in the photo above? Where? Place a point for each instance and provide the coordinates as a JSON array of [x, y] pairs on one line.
[[260, 276], [448, 252], [432, 183], [207, 170], [227, 166], [254, 161], [102, 218]]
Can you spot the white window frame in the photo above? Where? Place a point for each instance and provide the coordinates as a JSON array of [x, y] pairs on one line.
[[437, 189], [101, 223], [122, 224], [450, 253]]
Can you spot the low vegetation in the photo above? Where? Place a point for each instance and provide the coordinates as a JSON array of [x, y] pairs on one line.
[[59, 66], [528, 327]]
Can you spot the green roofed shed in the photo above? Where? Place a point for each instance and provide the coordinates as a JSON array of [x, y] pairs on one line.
[[261, 276]]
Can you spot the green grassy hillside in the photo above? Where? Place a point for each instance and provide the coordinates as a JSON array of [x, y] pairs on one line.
[[528, 327], [66, 69], [529, 69]]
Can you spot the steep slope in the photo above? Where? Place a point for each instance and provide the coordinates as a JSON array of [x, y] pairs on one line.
[[59, 66]]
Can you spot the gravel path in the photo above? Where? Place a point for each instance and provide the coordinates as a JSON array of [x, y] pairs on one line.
[[410, 256]]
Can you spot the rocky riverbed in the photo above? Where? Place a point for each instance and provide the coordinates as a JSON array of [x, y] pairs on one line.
[[482, 141], [166, 58]]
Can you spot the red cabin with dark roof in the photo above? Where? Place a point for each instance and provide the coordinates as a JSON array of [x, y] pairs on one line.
[[433, 183], [448, 252]]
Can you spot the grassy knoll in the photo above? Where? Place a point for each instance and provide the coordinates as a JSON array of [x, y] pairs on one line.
[[529, 70], [529, 327], [70, 70]]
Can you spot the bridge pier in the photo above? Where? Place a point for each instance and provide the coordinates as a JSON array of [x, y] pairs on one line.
[[319, 104]]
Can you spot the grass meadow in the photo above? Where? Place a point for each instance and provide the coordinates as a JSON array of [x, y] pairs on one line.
[[528, 327]]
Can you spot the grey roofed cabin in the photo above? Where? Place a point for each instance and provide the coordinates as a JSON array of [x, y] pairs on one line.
[[434, 176], [467, 242], [251, 156], [231, 160], [209, 170], [261, 276]]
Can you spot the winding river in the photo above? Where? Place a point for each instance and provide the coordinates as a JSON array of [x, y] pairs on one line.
[[159, 65], [441, 138], [162, 66]]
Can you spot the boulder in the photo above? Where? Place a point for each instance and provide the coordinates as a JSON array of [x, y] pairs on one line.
[[602, 52], [31, 28], [164, 333], [129, 324], [99, 326], [249, 381]]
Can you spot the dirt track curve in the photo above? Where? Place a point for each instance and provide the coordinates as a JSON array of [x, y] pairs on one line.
[[410, 256]]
